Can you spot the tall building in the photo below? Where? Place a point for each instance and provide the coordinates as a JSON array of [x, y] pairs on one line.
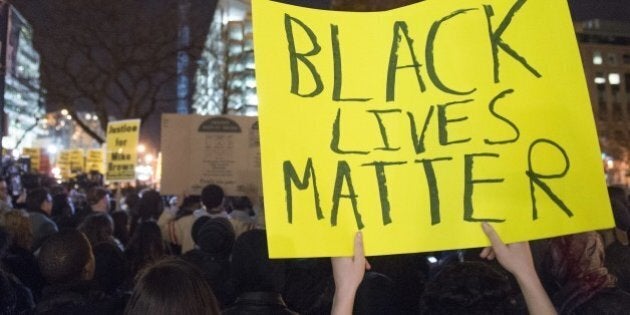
[[225, 79], [23, 105], [605, 49]]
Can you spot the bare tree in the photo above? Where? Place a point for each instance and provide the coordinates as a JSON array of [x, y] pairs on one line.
[[117, 59]]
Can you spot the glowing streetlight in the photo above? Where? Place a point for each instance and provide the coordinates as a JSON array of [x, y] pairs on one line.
[[64, 112], [149, 158], [141, 148]]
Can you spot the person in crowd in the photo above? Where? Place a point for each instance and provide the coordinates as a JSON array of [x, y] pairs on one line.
[[15, 298], [99, 228], [5, 198], [98, 200], [63, 212], [308, 285], [172, 287], [150, 205], [67, 263], [240, 216], [121, 226], [18, 259], [516, 258], [145, 247], [178, 231], [215, 239], [258, 280], [39, 206], [111, 268], [584, 286]]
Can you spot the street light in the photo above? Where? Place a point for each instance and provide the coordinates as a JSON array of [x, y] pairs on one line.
[[141, 148]]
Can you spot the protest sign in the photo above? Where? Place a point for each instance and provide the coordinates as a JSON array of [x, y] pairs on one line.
[[201, 150], [122, 143], [70, 162], [35, 155], [95, 161], [63, 162], [416, 124]]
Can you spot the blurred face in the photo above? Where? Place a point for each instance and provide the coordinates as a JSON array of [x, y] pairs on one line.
[[47, 205]]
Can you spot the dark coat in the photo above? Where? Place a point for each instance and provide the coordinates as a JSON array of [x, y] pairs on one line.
[[78, 298], [259, 303]]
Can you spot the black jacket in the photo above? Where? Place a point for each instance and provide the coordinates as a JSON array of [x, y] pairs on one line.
[[78, 298], [260, 303]]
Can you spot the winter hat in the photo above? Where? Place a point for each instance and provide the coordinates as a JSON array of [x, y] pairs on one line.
[[194, 231], [216, 236]]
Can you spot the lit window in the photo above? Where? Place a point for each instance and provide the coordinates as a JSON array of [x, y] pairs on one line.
[[614, 78], [597, 58], [600, 80]]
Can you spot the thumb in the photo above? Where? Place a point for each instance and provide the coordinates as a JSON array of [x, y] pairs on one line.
[[358, 247], [492, 235]]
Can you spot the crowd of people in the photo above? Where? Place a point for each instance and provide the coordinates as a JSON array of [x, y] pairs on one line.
[[93, 250]]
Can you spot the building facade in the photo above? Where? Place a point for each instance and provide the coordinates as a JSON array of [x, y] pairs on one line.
[[605, 49], [23, 103]]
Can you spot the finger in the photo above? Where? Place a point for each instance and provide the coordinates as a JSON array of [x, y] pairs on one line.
[[492, 255], [358, 247], [367, 265], [485, 252], [492, 235]]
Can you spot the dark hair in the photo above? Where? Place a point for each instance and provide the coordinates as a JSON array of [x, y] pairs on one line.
[[95, 194], [251, 267], [35, 198], [150, 205], [64, 256], [110, 270], [212, 196], [121, 226], [467, 288], [99, 228], [174, 287], [145, 246], [61, 206]]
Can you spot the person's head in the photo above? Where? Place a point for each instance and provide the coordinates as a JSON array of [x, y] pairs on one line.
[[98, 199], [98, 227], [150, 205], [39, 199], [211, 197], [576, 264], [252, 269], [242, 203], [62, 206], [66, 257], [216, 236], [172, 287], [467, 288], [18, 225]]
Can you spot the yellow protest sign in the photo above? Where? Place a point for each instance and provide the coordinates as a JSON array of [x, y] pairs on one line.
[[416, 124], [95, 161], [63, 162], [70, 162], [35, 155], [77, 161], [122, 157]]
